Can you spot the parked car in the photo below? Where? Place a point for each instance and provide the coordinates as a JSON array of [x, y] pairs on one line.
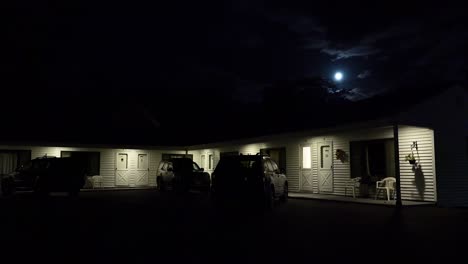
[[251, 178], [182, 174], [44, 175]]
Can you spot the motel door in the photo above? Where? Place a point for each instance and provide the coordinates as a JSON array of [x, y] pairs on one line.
[[142, 173], [306, 168], [325, 166], [122, 174]]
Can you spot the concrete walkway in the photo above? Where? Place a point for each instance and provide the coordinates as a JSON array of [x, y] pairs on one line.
[[348, 199], [119, 189]]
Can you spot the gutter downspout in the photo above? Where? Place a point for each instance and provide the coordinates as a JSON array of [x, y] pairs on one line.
[[398, 204]]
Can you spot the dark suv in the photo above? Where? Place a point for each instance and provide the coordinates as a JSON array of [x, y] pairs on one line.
[[44, 175], [182, 174], [252, 178]]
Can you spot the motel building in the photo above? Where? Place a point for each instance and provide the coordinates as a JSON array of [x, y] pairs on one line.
[[342, 162]]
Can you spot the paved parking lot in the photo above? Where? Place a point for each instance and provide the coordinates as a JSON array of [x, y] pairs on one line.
[[147, 226]]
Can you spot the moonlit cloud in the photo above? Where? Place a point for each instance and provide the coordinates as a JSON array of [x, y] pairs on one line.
[[358, 51], [364, 74], [315, 43]]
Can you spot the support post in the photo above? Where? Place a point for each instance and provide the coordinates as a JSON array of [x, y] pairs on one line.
[[397, 166]]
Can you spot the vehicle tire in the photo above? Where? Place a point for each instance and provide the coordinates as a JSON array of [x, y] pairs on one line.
[[284, 197], [39, 188], [161, 186], [73, 193], [8, 187], [270, 198], [207, 189]]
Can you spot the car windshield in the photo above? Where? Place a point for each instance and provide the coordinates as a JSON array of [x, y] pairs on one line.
[[182, 164], [195, 167], [26, 166]]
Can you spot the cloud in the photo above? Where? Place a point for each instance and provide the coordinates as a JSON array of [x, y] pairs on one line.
[[358, 51], [364, 74], [306, 25], [355, 94], [316, 43], [301, 25]]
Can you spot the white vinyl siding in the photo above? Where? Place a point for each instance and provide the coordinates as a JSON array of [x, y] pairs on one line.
[[417, 184], [292, 166]]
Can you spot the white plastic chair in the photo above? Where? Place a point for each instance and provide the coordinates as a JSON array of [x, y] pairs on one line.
[[388, 184], [353, 183], [97, 181]]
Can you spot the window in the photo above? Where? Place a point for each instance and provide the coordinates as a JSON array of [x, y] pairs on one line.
[[203, 161], [90, 161], [306, 158], [248, 164], [195, 167], [210, 161], [229, 154], [168, 156], [373, 159], [278, 155], [13, 159], [143, 162], [122, 161], [325, 157]]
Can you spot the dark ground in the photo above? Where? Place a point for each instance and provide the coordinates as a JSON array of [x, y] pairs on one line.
[[147, 226]]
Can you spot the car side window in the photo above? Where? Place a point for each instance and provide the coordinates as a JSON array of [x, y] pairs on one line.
[[195, 167]]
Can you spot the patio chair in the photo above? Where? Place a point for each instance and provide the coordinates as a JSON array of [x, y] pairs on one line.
[[387, 184], [353, 183], [97, 181]]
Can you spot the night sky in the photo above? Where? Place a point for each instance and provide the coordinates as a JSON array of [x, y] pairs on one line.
[[129, 71]]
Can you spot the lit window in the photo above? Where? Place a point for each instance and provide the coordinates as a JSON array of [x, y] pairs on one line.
[[306, 159]]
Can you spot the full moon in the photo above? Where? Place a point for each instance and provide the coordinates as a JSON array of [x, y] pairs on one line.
[[338, 76]]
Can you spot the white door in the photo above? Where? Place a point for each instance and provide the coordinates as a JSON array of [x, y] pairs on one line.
[[122, 174], [142, 173], [306, 168], [325, 166]]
